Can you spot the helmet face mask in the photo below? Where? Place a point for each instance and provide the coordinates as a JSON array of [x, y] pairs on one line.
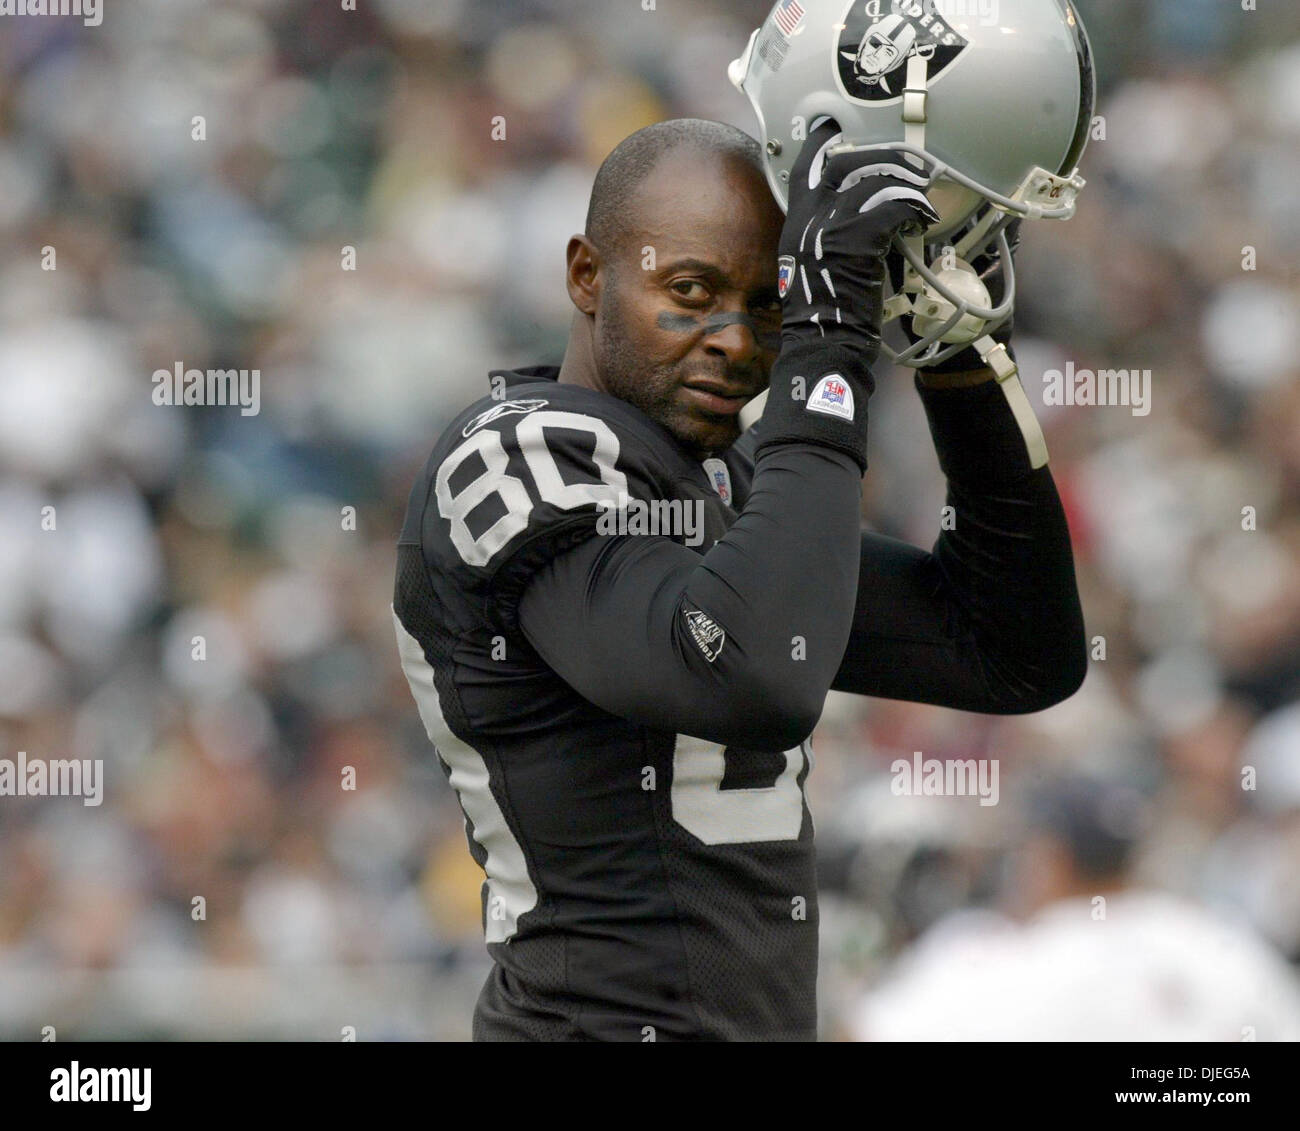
[[995, 114]]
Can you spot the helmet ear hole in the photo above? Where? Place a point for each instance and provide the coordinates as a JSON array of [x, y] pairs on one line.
[[820, 120]]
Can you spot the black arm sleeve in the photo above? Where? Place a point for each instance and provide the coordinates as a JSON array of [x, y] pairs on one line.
[[990, 620], [630, 622]]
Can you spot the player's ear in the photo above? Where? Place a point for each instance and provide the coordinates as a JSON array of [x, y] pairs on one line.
[[583, 274]]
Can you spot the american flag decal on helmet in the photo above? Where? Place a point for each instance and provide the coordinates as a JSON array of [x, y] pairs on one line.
[[788, 15]]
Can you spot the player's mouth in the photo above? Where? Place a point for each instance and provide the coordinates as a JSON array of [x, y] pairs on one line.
[[721, 400]]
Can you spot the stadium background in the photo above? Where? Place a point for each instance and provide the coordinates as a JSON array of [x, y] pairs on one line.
[[372, 129]]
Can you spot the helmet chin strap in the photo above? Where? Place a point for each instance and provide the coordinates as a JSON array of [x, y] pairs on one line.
[[993, 354], [915, 93]]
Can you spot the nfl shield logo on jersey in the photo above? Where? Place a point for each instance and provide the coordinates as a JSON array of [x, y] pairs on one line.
[[784, 274], [832, 396], [720, 477]]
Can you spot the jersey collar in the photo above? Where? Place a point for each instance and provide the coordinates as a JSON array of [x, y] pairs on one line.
[[530, 373], [714, 471]]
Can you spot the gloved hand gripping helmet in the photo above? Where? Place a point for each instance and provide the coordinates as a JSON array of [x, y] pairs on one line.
[[991, 100]]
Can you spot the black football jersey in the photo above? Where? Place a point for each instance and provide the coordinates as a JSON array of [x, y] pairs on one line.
[[646, 844], [640, 884]]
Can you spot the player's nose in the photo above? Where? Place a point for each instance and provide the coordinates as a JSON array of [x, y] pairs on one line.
[[737, 341]]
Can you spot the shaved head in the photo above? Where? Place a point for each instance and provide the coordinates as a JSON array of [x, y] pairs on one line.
[[621, 175]]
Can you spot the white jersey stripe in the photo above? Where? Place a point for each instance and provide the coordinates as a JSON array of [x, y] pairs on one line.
[[510, 890]]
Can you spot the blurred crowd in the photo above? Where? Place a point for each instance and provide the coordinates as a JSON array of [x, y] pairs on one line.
[[317, 193]]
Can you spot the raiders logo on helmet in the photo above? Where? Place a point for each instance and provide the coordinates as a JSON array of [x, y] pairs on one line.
[[877, 38]]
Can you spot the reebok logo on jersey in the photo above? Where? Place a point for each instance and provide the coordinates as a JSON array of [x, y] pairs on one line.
[[505, 408], [833, 397], [706, 633]]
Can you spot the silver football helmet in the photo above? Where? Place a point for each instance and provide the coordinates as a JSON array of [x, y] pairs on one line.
[[991, 101]]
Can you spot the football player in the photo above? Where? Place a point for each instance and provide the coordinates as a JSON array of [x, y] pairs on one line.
[[624, 710]]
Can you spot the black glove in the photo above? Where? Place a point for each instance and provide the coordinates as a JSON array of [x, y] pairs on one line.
[[988, 266], [842, 217]]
